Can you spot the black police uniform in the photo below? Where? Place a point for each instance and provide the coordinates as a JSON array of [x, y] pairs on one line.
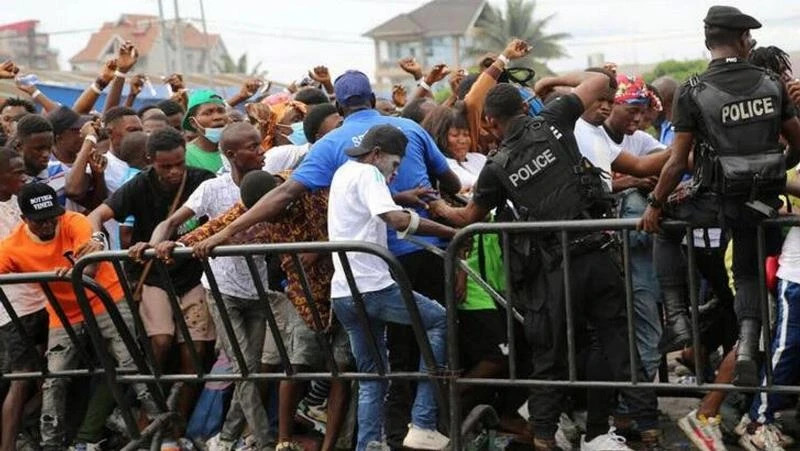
[[597, 288], [735, 111]]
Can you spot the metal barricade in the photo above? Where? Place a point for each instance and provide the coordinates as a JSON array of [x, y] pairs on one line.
[[562, 230], [149, 373]]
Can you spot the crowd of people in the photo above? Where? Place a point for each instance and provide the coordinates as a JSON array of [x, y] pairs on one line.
[[326, 160]]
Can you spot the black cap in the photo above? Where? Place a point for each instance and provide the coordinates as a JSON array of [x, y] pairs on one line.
[[388, 138], [730, 17], [254, 185], [38, 201], [64, 119]]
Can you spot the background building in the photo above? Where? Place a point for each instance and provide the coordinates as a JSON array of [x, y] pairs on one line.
[[436, 32], [30, 49], [146, 33]]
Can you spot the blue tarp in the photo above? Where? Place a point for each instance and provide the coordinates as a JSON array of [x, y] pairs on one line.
[[67, 94]]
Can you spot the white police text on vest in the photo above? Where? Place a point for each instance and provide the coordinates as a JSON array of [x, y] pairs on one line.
[[747, 110], [537, 164]]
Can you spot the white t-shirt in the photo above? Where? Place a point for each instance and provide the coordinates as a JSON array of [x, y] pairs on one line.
[[468, 170], [639, 143], [358, 195], [116, 174], [213, 198], [790, 257], [593, 144], [25, 298], [285, 157]]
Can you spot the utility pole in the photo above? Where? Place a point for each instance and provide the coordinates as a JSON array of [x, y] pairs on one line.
[[164, 46], [208, 46], [179, 38]]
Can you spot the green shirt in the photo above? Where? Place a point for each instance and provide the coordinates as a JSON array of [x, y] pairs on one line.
[[477, 298], [199, 158]]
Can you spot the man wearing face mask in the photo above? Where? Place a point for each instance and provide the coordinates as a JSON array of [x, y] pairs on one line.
[[732, 115], [205, 116]]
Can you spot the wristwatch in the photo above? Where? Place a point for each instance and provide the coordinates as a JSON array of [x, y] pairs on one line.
[[653, 202]]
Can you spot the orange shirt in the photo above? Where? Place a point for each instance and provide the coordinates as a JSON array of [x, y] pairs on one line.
[[23, 252]]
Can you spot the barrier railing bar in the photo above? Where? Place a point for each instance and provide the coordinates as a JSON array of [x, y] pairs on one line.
[[101, 350], [233, 342], [62, 317], [41, 361], [658, 386], [626, 262], [453, 357], [763, 297], [233, 377], [273, 324], [361, 312], [462, 265], [694, 290], [319, 333], [141, 333], [565, 261], [512, 359], [177, 314]]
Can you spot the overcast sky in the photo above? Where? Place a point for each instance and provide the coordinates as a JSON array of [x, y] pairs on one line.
[[288, 37]]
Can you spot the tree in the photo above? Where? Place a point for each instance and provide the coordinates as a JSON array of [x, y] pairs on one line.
[[226, 65], [494, 30], [679, 70]]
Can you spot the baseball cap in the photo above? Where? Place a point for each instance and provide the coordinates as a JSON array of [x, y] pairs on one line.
[[386, 137], [197, 98], [351, 87], [64, 119], [730, 17], [38, 201]]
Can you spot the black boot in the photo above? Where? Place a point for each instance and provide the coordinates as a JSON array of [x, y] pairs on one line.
[[678, 330], [746, 373]]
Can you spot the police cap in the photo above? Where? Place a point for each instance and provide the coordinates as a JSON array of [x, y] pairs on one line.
[[730, 17]]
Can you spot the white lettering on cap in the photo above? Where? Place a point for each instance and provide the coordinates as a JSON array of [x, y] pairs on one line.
[[42, 202]]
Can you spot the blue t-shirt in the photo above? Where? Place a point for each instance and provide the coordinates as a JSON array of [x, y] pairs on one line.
[[422, 157]]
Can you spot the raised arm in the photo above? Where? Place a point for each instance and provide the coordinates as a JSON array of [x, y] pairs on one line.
[[588, 86], [87, 99], [37, 96]]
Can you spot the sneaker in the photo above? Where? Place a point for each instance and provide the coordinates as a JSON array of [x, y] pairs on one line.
[[767, 437], [562, 441], [186, 444], [86, 447], [606, 442], [246, 443], [378, 446], [704, 433], [289, 446], [418, 438], [170, 445], [651, 440], [314, 416], [215, 443], [741, 428], [549, 445], [569, 428]]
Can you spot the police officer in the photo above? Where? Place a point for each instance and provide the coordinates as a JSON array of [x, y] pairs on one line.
[[732, 115], [539, 172]]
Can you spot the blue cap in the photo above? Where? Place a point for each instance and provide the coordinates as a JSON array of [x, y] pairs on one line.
[[352, 85]]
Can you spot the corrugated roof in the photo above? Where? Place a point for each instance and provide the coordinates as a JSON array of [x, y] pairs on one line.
[[436, 18], [142, 30]]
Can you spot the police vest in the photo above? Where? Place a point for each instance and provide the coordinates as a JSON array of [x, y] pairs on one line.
[[544, 176], [742, 145]]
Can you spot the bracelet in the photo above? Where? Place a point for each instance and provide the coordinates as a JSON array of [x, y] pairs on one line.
[[91, 138], [97, 90], [424, 85], [36, 94], [504, 59], [413, 225]]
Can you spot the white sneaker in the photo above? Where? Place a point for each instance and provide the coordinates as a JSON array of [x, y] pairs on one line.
[[567, 433], [418, 438], [768, 437], [606, 442], [705, 433], [741, 428], [215, 443]]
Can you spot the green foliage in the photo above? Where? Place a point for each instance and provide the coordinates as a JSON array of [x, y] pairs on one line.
[[495, 30], [679, 70]]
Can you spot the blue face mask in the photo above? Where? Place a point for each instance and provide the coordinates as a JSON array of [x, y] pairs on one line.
[[298, 138], [213, 134]]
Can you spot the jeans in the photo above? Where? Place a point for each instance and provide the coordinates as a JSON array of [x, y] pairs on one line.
[[646, 292], [248, 320], [785, 354], [384, 306], [62, 355]]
